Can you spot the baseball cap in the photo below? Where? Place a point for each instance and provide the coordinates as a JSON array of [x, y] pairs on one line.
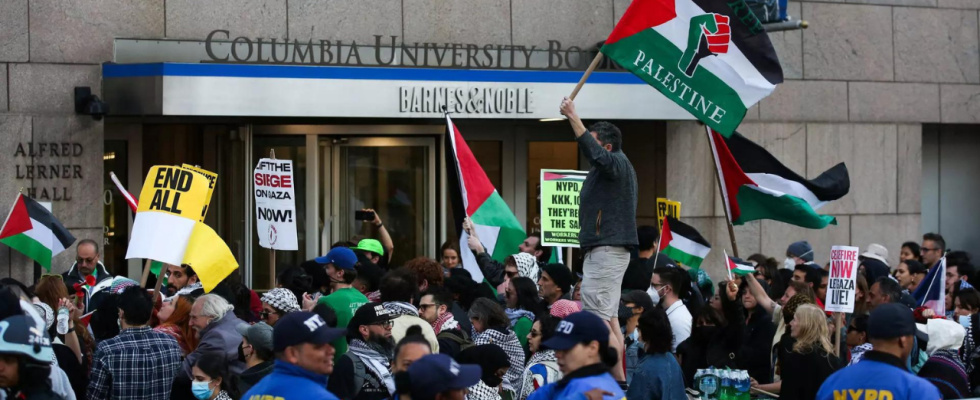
[[340, 257], [372, 245], [891, 320], [368, 314], [437, 373], [301, 327], [801, 249], [576, 328], [877, 252], [258, 335]]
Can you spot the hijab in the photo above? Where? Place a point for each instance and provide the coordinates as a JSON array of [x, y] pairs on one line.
[[490, 358]]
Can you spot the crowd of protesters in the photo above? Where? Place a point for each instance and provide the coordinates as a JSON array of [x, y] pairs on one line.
[[628, 323]]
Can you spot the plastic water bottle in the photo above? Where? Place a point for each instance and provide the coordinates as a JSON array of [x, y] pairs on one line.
[[742, 386], [727, 385], [62, 320], [709, 384]]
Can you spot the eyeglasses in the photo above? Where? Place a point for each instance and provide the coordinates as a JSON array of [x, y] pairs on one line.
[[511, 274], [423, 307], [52, 275], [264, 314], [926, 249], [535, 334], [89, 260], [386, 324], [853, 329]]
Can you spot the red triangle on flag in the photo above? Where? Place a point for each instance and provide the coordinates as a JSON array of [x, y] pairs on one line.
[[18, 221], [476, 184], [642, 14], [665, 236]]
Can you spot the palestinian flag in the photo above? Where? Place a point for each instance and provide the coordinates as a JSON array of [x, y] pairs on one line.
[[711, 57], [682, 243], [472, 195], [32, 230], [757, 186], [738, 267]]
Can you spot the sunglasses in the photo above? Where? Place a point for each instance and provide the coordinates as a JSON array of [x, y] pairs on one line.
[[89, 260], [52, 276]]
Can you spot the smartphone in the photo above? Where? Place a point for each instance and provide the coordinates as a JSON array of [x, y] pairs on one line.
[[364, 215]]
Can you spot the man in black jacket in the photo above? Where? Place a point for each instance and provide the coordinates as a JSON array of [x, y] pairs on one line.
[[607, 218], [87, 263]]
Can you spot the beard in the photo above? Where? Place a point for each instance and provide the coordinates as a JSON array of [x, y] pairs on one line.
[[385, 344]]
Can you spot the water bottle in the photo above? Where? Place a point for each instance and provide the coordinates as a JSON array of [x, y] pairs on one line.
[[709, 384], [742, 386], [726, 386], [62, 320]]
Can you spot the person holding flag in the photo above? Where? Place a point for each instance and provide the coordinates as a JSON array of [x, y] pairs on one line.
[[607, 217]]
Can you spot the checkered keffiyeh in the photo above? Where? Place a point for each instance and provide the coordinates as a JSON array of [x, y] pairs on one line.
[[139, 364], [562, 308], [119, 284], [515, 354], [281, 299]]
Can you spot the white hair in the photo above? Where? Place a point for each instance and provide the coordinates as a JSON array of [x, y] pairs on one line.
[[214, 306]]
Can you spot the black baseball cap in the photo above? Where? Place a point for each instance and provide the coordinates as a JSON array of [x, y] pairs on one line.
[[891, 320], [580, 327], [300, 327], [437, 373], [368, 314]]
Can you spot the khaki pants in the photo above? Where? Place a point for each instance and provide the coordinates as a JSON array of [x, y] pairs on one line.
[[603, 270]]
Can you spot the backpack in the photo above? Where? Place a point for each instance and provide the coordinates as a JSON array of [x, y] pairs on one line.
[[360, 372], [464, 341]]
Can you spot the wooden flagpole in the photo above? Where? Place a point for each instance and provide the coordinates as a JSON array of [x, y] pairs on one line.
[[838, 319], [156, 290], [272, 251], [146, 273], [721, 192], [585, 76]]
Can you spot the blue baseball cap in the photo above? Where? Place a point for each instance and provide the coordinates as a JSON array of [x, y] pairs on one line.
[[340, 257], [300, 327], [437, 373], [580, 327]]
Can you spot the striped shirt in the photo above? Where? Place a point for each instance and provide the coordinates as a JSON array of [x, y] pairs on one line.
[[139, 364]]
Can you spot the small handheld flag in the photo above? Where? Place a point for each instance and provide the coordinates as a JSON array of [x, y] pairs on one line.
[[931, 293], [682, 243], [738, 267], [32, 230]]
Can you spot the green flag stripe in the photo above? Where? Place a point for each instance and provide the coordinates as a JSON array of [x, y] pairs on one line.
[[30, 248], [494, 212], [703, 95], [689, 260], [789, 209]]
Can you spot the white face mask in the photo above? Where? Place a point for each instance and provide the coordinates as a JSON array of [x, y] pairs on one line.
[[789, 263], [654, 294], [965, 320]]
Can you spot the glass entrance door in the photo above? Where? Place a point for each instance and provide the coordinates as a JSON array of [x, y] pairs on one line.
[[395, 177]]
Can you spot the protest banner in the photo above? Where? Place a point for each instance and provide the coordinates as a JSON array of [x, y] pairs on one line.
[[842, 280], [173, 198], [275, 204], [210, 256], [212, 182], [667, 207], [560, 189]]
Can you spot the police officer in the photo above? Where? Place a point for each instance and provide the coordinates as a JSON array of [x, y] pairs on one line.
[[882, 374], [304, 358]]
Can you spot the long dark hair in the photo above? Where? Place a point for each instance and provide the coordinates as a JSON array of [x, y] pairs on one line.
[[527, 294], [214, 365]]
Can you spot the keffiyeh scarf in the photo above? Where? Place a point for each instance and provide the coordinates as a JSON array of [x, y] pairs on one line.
[[445, 322], [281, 299], [527, 267], [515, 353], [399, 308], [516, 313], [378, 363], [857, 353]]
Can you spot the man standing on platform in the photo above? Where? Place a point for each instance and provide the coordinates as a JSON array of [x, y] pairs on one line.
[[607, 218]]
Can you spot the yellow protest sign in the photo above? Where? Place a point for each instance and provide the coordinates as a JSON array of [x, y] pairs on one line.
[[212, 182], [667, 207], [172, 200], [210, 257]]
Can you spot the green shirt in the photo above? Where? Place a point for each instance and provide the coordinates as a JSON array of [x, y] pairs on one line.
[[522, 328], [344, 302]]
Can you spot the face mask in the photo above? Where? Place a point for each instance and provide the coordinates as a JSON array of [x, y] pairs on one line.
[[654, 295], [965, 321], [202, 390], [241, 352], [704, 333], [789, 263], [492, 381]]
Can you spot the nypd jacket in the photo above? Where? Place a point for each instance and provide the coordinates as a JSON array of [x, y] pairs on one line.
[[574, 385], [290, 382], [878, 376]]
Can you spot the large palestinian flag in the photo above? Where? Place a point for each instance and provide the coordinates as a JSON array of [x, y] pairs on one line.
[[711, 57], [757, 186], [682, 243], [32, 230], [472, 195]]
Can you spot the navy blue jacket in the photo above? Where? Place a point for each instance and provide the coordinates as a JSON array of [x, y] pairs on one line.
[[290, 382], [878, 376], [574, 385]]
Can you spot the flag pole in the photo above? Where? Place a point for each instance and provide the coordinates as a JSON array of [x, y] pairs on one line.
[[657, 254], [146, 273], [837, 326], [585, 76], [721, 192], [156, 289]]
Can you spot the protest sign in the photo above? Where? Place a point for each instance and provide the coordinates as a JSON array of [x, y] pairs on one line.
[[173, 198], [275, 204], [841, 283], [667, 207], [210, 257], [212, 181], [560, 189]]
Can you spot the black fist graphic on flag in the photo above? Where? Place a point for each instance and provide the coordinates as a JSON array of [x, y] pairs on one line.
[[708, 35]]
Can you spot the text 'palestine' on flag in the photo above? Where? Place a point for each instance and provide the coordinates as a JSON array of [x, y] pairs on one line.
[[711, 57], [755, 185], [32, 230], [682, 243], [472, 195]]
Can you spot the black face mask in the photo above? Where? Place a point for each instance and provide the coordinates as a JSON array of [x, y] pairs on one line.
[[704, 333], [241, 352], [491, 380]]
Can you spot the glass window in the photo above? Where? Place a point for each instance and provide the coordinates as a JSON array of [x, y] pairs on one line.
[[115, 211], [292, 148], [547, 155]]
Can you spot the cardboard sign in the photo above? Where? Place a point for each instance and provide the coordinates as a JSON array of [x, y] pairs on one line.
[[173, 198], [667, 207], [275, 204], [842, 280], [560, 190], [212, 182]]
